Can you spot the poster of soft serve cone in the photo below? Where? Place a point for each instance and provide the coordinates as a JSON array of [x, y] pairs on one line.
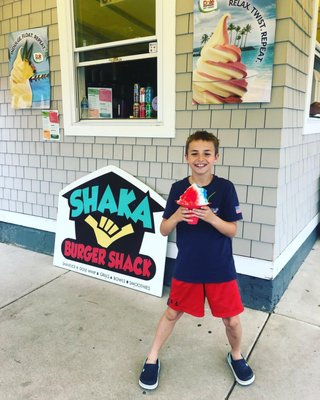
[[233, 51], [108, 227]]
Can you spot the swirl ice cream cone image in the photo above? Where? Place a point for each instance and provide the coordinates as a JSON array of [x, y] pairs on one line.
[[219, 76], [20, 74]]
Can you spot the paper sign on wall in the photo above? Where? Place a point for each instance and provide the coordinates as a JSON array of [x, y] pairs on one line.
[[50, 125], [108, 227]]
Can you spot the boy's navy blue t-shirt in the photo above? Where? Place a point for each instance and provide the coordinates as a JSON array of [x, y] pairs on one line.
[[204, 254]]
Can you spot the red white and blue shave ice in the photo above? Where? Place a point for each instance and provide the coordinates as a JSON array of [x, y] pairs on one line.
[[194, 197]]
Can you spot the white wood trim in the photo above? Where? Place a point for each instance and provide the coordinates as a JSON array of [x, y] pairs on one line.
[[245, 265], [144, 39], [255, 267], [262, 268], [312, 125], [29, 221], [290, 250], [120, 59]]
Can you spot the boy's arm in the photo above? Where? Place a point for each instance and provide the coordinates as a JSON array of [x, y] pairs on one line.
[[167, 226]]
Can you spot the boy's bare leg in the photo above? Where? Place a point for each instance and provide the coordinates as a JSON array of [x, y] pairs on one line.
[[164, 330], [234, 334]]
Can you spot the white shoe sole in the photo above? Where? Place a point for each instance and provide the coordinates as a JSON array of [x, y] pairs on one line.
[[242, 383], [151, 387]]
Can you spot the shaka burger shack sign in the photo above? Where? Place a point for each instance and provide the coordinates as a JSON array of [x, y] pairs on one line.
[[108, 227]]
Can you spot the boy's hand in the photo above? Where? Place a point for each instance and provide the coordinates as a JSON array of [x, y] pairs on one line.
[[205, 213], [184, 214]]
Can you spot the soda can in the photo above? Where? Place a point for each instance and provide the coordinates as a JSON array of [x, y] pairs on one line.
[[136, 110], [149, 94], [142, 110], [148, 110], [142, 95], [136, 91]]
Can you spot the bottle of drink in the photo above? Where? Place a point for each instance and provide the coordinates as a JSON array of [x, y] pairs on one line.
[[148, 110], [84, 108], [149, 94]]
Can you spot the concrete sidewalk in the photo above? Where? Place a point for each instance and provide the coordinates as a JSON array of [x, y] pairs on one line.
[[65, 336]]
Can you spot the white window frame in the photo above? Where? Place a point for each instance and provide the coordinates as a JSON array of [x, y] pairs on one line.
[[311, 125], [164, 125]]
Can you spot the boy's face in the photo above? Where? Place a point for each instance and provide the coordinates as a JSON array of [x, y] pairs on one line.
[[201, 157]]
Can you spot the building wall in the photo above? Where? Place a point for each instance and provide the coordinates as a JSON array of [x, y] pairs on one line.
[[299, 163], [274, 166]]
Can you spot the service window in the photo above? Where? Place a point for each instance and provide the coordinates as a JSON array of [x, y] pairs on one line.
[[118, 67]]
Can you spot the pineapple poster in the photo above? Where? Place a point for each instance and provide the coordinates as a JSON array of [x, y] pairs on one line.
[[233, 51], [29, 77]]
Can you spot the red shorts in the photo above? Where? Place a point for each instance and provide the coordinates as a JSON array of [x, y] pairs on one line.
[[224, 298]]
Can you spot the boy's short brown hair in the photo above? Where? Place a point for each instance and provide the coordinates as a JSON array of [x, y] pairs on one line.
[[206, 137]]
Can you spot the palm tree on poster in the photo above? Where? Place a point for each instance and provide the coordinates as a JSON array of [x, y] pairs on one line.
[[242, 34], [204, 39], [238, 36], [231, 28], [248, 29]]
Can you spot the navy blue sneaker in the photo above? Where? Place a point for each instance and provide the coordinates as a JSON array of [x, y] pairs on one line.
[[149, 378], [241, 370]]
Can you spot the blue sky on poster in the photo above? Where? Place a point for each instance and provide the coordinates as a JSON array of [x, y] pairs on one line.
[[240, 15]]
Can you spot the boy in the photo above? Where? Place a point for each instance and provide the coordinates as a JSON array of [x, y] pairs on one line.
[[204, 266]]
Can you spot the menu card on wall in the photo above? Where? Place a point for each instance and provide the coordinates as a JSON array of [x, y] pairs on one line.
[[100, 102]]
